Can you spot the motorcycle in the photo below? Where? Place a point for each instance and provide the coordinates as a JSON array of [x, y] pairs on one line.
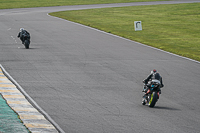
[[26, 41], [152, 94]]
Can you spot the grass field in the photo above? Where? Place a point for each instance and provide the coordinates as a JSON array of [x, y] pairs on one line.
[[174, 28], [5, 4]]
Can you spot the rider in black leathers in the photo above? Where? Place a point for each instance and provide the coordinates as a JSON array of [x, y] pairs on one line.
[[22, 33], [153, 75]]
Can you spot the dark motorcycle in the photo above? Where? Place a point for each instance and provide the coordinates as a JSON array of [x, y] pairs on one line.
[[152, 94]]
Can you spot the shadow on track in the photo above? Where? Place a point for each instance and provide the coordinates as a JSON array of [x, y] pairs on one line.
[[166, 108], [28, 48]]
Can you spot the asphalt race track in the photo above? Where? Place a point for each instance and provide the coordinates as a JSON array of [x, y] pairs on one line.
[[89, 81]]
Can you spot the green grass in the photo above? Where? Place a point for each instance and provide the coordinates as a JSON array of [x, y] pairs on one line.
[[174, 28], [5, 4]]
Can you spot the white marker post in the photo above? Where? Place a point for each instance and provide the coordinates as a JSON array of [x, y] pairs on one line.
[[138, 25]]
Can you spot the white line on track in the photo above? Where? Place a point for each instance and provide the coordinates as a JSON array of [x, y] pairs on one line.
[[125, 39]]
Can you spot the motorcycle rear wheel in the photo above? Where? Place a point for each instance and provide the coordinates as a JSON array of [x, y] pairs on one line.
[[153, 99], [26, 43]]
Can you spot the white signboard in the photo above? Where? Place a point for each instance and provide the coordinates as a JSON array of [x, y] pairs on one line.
[[138, 25]]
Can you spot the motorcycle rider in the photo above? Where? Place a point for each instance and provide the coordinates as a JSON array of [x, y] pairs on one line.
[[22, 33], [154, 75]]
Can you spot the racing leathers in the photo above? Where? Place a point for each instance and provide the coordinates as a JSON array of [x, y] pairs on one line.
[[150, 77], [22, 34]]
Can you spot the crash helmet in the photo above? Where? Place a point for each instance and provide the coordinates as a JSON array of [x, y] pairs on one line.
[[21, 29], [153, 71]]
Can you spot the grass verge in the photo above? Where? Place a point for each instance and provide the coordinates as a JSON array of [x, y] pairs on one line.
[[6, 4], [174, 28]]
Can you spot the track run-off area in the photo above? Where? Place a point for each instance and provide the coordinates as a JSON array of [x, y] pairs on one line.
[[88, 81]]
